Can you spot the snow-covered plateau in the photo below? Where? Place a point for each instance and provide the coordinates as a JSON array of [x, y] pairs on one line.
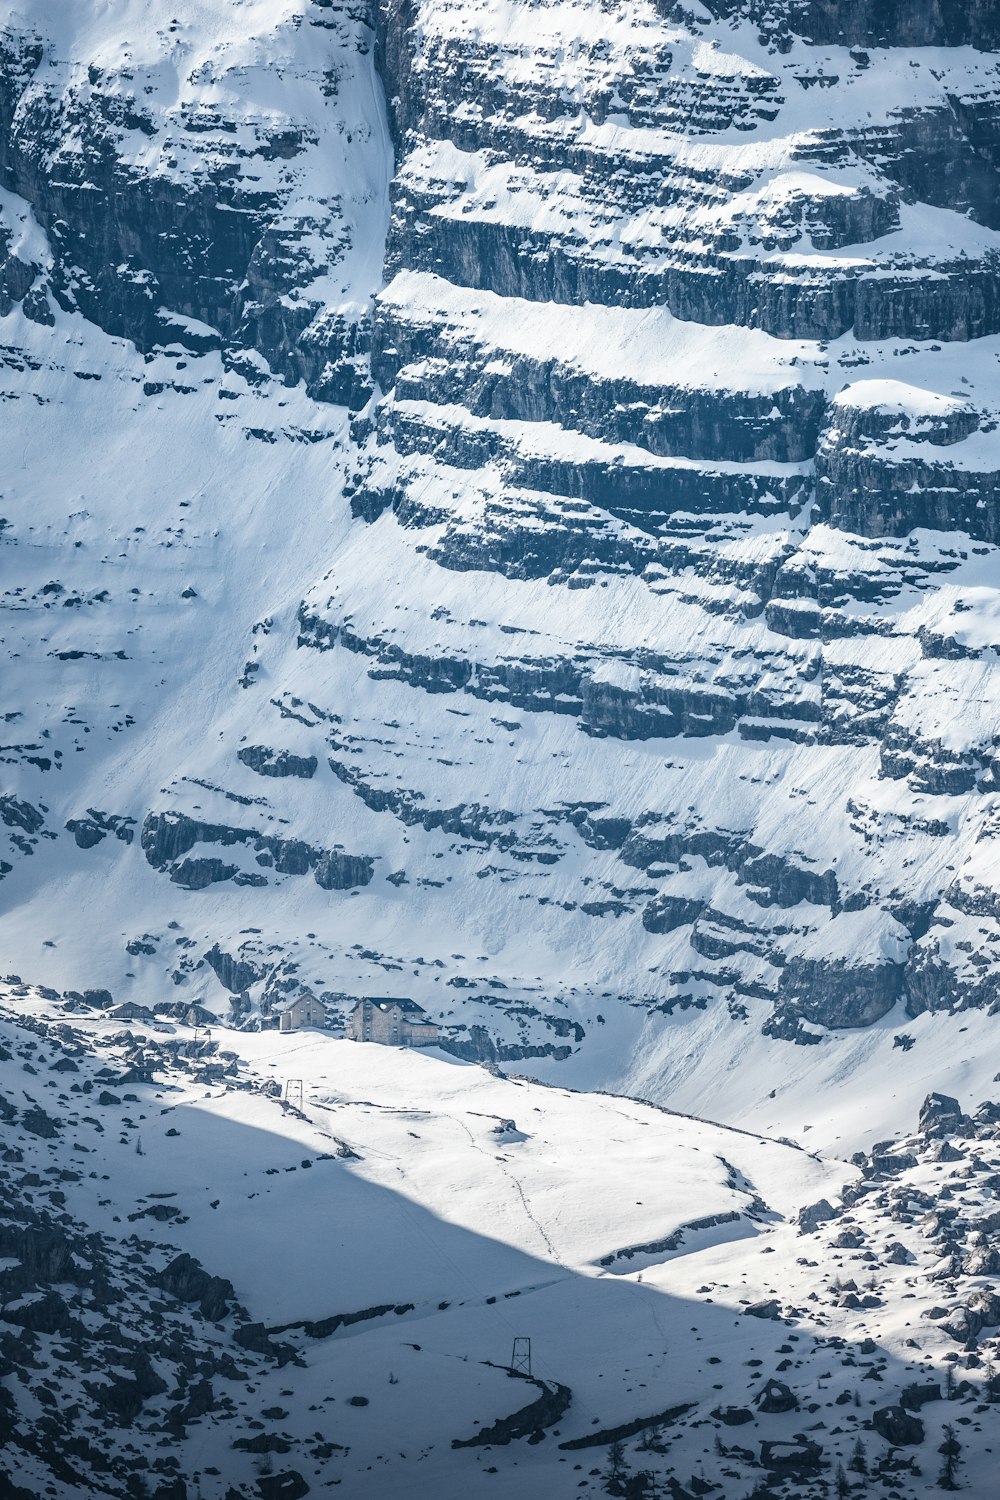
[[499, 508]]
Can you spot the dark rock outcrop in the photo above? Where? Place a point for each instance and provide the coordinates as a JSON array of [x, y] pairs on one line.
[[543, 1412], [268, 762], [167, 838], [188, 1281], [839, 993], [898, 1426]]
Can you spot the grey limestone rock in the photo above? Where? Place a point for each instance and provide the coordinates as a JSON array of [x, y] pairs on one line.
[[898, 1426]]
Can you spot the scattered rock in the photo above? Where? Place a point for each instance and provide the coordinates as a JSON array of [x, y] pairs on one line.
[[769, 1308], [185, 1279], [776, 1397], [898, 1426]]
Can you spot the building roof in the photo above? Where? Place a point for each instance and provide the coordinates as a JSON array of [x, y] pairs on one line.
[[304, 997], [386, 1002]]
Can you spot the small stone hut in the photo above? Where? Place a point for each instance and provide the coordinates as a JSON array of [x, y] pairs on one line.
[[304, 1010], [129, 1010]]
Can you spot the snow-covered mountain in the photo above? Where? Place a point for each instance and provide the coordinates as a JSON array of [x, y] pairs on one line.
[[499, 506], [573, 607]]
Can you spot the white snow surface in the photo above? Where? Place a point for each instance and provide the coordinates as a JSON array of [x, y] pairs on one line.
[[181, 579]]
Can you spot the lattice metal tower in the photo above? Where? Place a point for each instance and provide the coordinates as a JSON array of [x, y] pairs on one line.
[[294, 1087]]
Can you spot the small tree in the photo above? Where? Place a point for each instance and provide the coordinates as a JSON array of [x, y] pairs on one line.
[[842, 1483], [951, 1448], [616, 1467], [859, 1459], [949, 1382]]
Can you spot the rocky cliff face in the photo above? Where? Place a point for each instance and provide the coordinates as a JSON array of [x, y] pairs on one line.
[[188, 197], [632, 649]]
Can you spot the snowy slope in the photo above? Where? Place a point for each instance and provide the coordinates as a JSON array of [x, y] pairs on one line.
[[499, 507], [618, 679], [387, 1229]]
